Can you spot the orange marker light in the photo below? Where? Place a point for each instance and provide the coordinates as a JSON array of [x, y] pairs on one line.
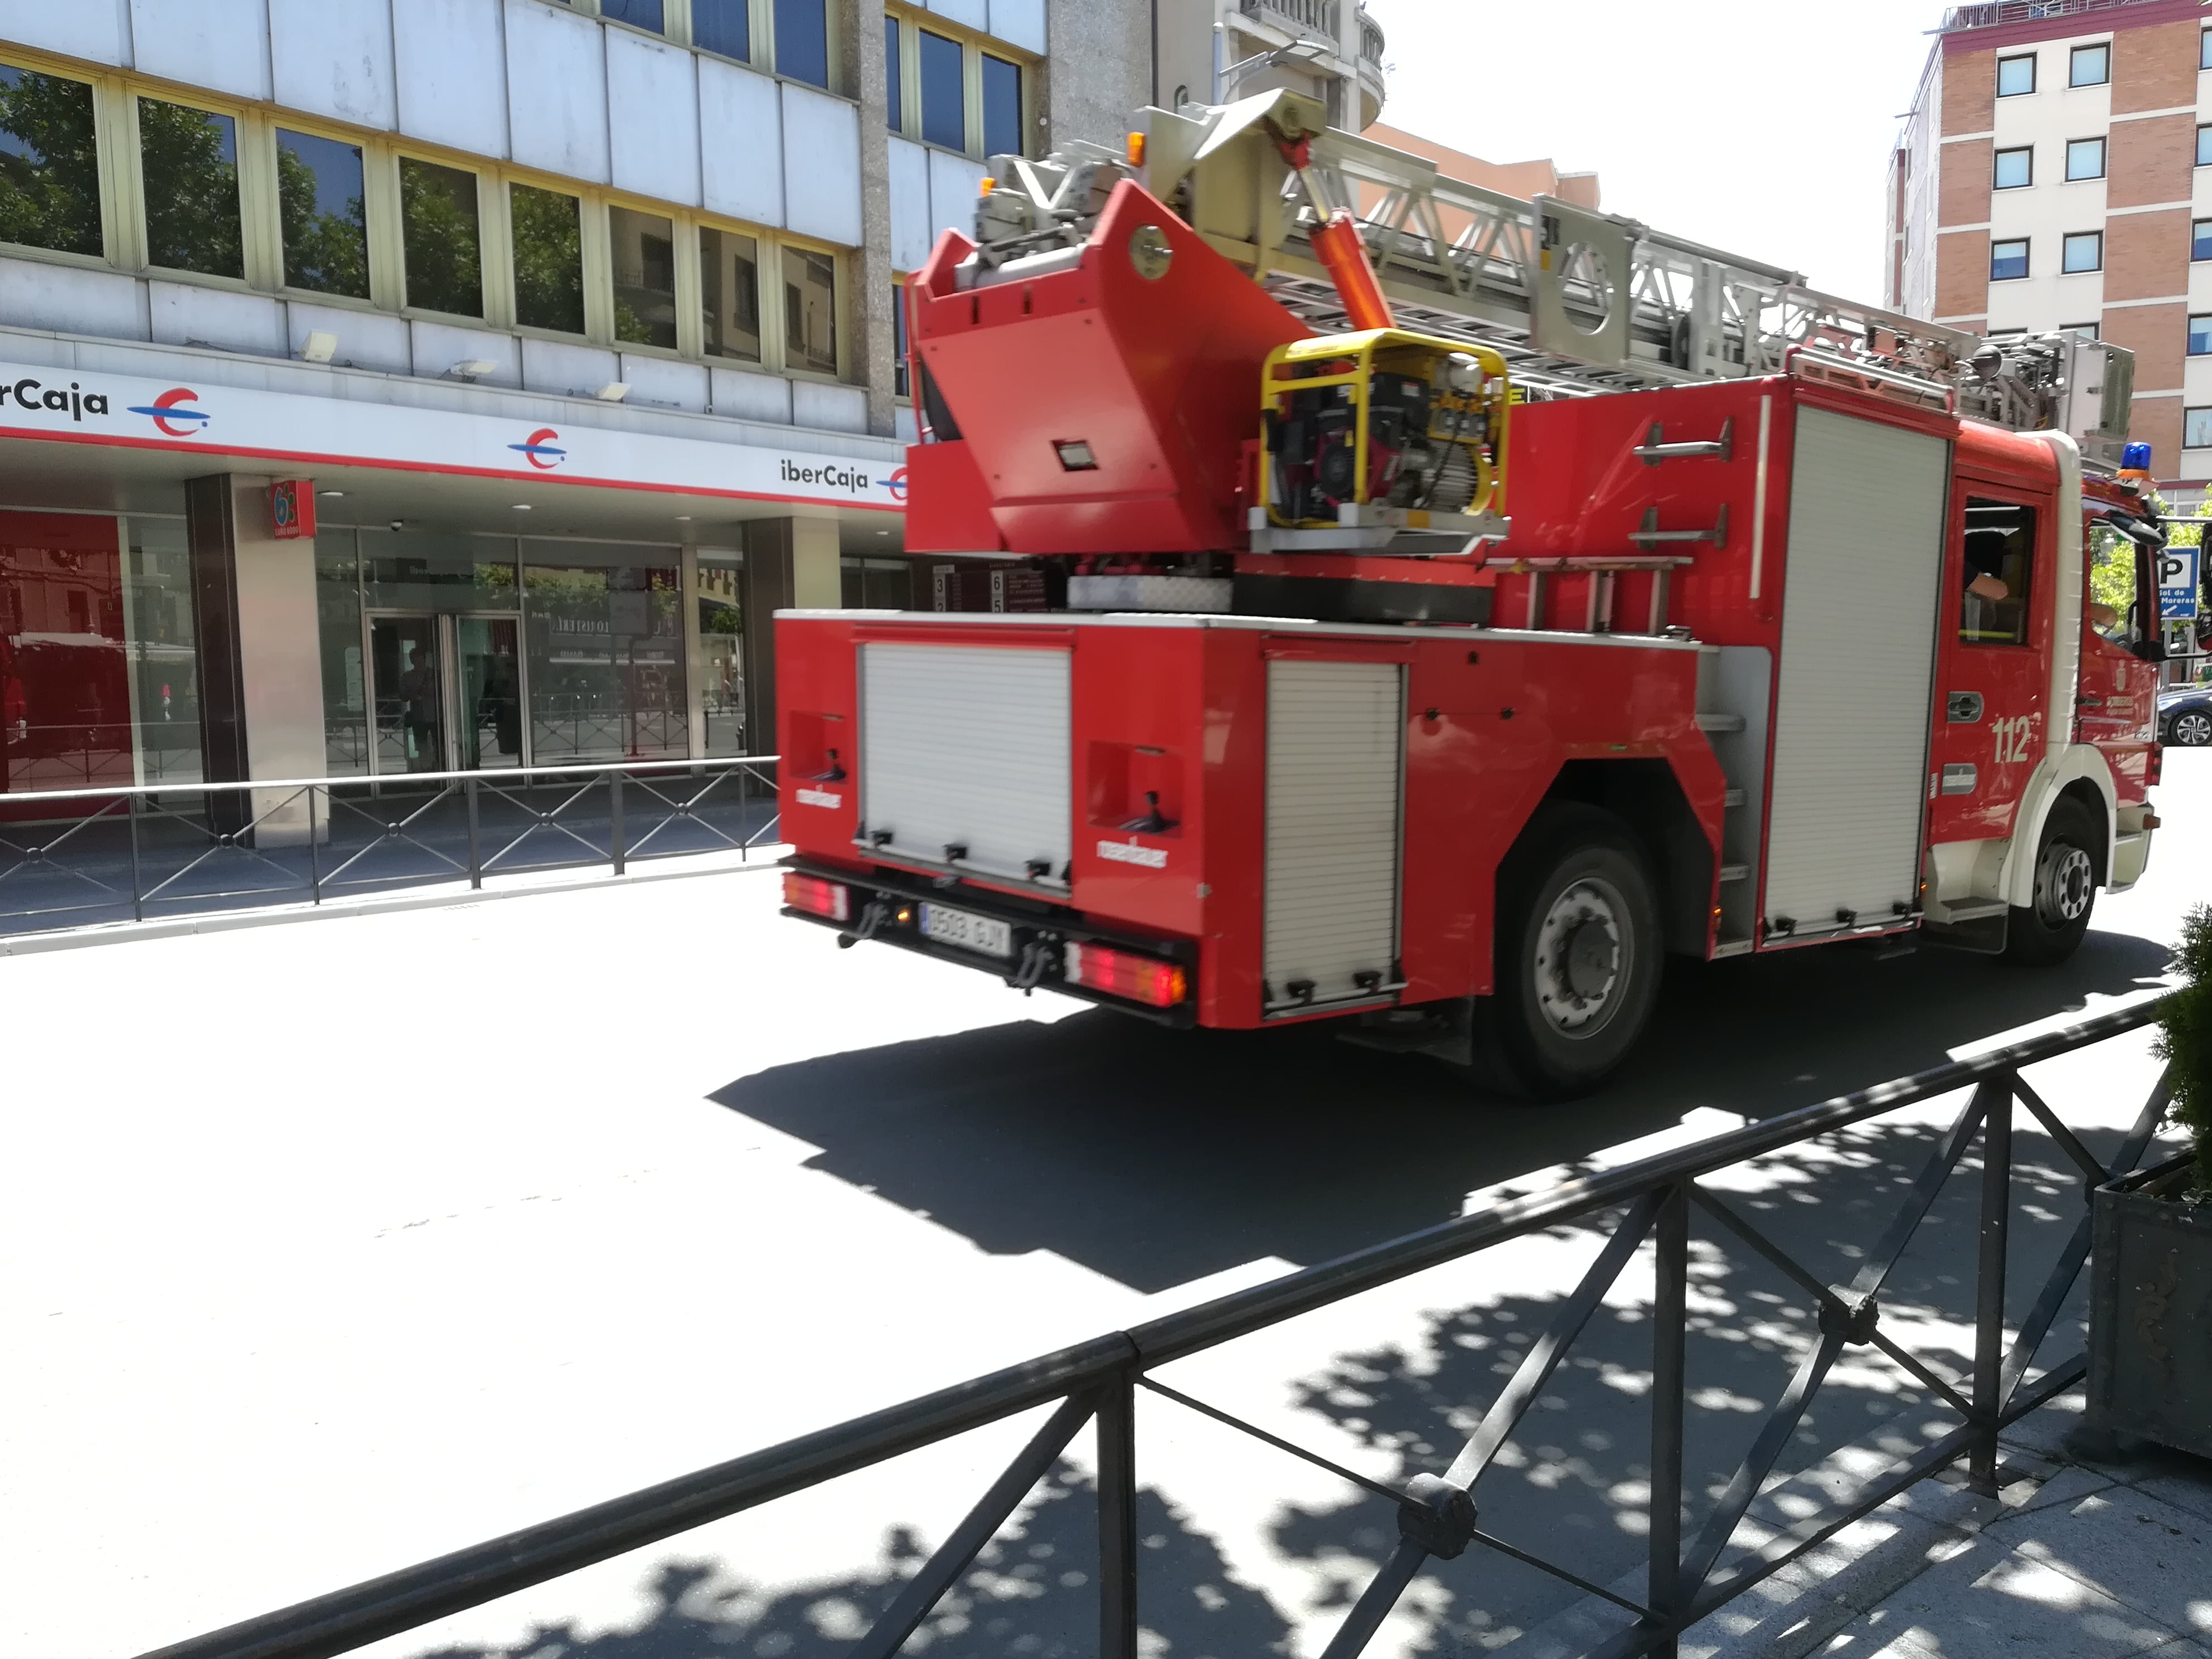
[[1134, 148]]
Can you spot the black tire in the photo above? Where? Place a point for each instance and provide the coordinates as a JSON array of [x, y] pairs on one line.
[[2066, 863], [2190, 729], [1577, 955]]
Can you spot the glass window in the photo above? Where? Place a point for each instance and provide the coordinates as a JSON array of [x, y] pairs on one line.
[[1999, 560], [2085, 158], [2200, 239], [2204, 146], [2197, 429], [638, 14], [49, 163], [729, 292], [439, 238], [809, 310], [2090, 66], [645, 277], [898, 340], [434, 571], [548, 259], [944, 111], [189, 158], [65, 691], [722, 649], [2204, 50], [162, 645], [2086, 330], [319, 196], [2083, 251], [723, 26], [2200, 336], [2015, 75], [1002, 107], [605, 669], [2015, 168], [802, 40], [876, 583], [2008, 260], [894, 91], [345, 680]]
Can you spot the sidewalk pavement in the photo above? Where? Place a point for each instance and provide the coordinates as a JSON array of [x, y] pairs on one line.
[[2082, 1553]]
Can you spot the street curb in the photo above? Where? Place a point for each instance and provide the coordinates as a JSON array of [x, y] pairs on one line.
[[227, 922]]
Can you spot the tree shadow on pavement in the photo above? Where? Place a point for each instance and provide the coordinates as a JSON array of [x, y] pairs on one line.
[[1033, 1592], [1158, 1156]]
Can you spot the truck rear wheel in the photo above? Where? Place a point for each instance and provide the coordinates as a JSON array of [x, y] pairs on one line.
[[2048, 931], [1577, 955]]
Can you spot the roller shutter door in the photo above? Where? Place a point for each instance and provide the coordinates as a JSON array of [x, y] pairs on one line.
[[968, 747], [1335, 764], [1858, 660]]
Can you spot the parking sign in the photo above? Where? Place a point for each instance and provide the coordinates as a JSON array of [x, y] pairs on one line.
[[2177, 583]]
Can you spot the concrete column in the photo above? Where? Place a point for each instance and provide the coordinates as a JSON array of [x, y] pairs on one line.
[[870, 310], [261, 672], [790, 564]]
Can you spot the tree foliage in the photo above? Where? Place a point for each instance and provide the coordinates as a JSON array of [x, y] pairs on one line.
[[49, 163], [2186, 1038], [325, 252], [548, 260], [188, 158], [445, 262]]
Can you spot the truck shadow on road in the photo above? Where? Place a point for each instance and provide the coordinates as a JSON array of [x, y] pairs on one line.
[[1158, 1157]]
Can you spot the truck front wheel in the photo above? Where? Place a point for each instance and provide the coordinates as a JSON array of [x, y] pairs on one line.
[[1577, 954], [2047, 931]]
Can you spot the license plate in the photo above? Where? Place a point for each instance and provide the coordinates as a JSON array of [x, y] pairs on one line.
[[969, 931]]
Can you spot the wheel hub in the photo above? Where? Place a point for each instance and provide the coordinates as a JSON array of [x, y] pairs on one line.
[[2192, 728], [2065, 884], [1582, 958]]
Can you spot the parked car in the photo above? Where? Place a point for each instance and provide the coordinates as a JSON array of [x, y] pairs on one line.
[[2184, 715]]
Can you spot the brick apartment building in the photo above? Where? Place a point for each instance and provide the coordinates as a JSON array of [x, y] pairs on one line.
[[2056, 172]]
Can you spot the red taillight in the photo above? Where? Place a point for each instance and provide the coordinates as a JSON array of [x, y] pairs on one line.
[[817, 897], [1118, 973], [2155, 768]]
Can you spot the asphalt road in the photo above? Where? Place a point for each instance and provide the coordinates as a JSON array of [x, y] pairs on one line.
[[335, 1245]]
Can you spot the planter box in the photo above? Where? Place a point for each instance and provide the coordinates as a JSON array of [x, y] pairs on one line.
[[2150, 1310]]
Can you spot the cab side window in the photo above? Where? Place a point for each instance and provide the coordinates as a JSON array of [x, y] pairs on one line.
[[2000, 564]]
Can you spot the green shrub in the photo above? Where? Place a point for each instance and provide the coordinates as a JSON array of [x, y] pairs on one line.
[[2186, 1038]]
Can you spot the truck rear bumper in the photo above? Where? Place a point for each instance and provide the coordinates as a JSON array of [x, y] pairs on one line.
[[885, 908]]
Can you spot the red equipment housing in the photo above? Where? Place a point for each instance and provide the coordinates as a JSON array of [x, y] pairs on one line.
[[1102, 405]]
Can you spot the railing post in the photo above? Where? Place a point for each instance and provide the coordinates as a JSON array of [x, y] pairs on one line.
[[1117, 1519], [614, 807], [475, 857], [137, 902], [1989, 1280], [314, 848], [1669, 1344]]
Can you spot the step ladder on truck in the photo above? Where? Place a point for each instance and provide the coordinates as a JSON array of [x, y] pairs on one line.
[[1463, 604]]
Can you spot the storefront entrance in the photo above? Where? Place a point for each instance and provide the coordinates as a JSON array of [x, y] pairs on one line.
[[448, 691]]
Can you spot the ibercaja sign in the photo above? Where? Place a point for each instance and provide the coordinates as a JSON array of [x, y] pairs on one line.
[[292, 509]]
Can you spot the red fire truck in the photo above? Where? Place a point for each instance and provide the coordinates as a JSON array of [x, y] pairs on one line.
[[1384, 696]]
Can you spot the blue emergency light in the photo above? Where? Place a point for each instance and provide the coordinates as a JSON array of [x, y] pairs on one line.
[[2136, 458]]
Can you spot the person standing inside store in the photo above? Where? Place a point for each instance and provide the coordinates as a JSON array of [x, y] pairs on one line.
[[418, 697]]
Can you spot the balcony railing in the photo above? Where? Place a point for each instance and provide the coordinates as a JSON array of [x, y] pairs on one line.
[[1370, 39], [1306, 17], [2027, 11]]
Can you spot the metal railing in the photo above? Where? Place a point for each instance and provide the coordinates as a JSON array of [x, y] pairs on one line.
[[72, 857], [2027, 11], [1687, 1576]]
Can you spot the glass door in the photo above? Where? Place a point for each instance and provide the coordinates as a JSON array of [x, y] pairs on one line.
[[407, 691], [488, 662]]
